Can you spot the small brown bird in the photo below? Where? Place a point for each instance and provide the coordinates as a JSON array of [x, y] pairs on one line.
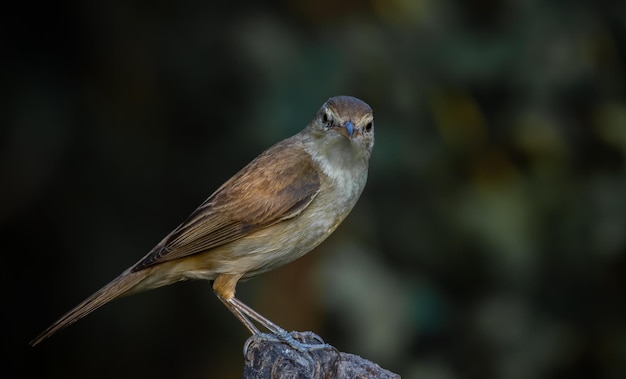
[[276, 209]]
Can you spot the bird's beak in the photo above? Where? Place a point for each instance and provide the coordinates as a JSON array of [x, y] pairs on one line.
[[346, 129]]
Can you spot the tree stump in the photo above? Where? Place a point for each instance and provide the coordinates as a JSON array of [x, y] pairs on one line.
[[272, 357]]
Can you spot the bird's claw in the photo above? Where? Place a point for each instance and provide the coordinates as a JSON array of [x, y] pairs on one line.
[[303, 342]]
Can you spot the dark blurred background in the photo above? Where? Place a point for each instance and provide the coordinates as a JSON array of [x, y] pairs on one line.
[[490, 241]]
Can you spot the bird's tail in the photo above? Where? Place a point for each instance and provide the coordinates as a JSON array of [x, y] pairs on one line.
[[122, 285]]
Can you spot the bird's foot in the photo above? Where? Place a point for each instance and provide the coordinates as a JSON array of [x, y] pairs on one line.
[[302, 342]]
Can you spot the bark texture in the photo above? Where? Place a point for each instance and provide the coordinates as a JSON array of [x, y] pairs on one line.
[[304, 355]]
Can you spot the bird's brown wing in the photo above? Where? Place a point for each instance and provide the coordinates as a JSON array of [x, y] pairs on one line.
[[276, 186]]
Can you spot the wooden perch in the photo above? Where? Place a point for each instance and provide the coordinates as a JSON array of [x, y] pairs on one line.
[[271, 357]]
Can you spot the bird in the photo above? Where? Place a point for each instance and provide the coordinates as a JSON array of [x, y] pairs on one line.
[[280, 206]]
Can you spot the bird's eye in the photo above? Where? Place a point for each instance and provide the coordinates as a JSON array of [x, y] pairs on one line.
[[327, 120], [368, 127]]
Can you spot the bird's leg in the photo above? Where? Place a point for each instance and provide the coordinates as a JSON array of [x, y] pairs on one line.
[[224, 287], [240, 316], [240, 306]]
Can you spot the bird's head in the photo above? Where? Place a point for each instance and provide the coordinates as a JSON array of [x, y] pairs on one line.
[[345, 121]]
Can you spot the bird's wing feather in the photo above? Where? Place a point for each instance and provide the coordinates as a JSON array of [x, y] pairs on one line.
[[277, 185]]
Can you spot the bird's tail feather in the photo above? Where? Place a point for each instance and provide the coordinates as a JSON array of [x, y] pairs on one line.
[[117, 287]]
